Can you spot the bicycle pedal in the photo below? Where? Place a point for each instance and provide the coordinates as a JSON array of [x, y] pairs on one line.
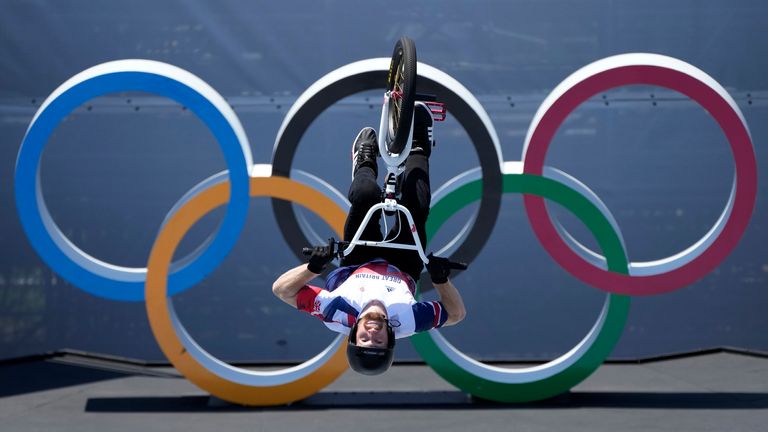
[[437, 109]]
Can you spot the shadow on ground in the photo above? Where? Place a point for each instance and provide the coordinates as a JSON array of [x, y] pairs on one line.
[[440, 401], [25, 378], [44, 373]]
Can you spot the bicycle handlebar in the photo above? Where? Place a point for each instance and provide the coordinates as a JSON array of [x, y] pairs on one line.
[[341, 245]]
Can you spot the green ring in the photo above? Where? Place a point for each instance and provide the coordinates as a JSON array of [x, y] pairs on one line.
[[559, 375]]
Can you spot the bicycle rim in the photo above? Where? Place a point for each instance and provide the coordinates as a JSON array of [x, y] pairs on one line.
[[401, 84]]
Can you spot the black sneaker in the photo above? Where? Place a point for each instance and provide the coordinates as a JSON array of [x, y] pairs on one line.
[[422, 130], [365, 150]]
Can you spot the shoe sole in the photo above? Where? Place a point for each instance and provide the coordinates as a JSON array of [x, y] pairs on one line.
[[353, 147]]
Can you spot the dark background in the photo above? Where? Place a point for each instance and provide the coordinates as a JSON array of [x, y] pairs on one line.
[[110, 173]]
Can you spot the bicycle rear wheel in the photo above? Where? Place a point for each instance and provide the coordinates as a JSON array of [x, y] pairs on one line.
[[401, 85]]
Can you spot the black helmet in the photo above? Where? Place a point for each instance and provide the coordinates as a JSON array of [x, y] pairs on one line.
[[370, 360]]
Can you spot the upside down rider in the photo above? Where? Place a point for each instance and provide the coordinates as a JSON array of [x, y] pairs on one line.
[[370, 296]]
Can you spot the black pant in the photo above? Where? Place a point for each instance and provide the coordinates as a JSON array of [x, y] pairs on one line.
[[365, 191]]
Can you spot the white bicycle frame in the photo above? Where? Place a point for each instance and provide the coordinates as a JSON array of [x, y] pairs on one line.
[[395, 166]]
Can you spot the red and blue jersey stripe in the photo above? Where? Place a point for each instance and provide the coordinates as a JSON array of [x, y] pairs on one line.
[[429, 315]]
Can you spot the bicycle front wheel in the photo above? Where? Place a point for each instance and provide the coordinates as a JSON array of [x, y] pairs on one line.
[[401, 86]]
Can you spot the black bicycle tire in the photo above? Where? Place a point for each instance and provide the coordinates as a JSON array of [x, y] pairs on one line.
[[399, 129]]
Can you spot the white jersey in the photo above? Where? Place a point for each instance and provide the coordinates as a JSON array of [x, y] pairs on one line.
[[349, 289]]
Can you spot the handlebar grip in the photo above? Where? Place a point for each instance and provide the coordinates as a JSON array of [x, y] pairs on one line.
[[337, 248], [457, 265]]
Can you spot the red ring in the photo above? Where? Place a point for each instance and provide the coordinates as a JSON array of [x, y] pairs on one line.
[[728, 118]]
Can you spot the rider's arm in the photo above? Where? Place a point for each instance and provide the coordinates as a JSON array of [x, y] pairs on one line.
[[451, 299], [288, 285]]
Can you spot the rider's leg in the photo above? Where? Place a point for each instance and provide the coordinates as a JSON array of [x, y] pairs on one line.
[[416, 197], [416, 194], [364, 192]]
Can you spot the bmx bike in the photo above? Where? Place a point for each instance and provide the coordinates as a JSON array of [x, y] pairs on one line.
[[395, 142]]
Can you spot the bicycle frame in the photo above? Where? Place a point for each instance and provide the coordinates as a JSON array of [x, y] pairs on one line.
[[384, 243], [395, 166]]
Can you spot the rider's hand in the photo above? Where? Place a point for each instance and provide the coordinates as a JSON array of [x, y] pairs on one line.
[[321, 256], [438, 268]]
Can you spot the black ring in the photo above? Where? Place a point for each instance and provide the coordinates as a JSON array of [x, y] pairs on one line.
[[287, 142]]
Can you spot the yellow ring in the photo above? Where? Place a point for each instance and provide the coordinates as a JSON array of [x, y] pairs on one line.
[[212, 375]]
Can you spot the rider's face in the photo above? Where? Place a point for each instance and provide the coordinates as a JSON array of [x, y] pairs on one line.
[[372, 330]]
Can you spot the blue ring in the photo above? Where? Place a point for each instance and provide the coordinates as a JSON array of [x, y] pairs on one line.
[[29, 199]]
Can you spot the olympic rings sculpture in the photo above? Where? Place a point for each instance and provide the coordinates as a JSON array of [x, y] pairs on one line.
[[611, 272]]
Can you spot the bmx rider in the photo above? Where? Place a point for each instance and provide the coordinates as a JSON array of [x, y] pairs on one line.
[[370, 297]]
